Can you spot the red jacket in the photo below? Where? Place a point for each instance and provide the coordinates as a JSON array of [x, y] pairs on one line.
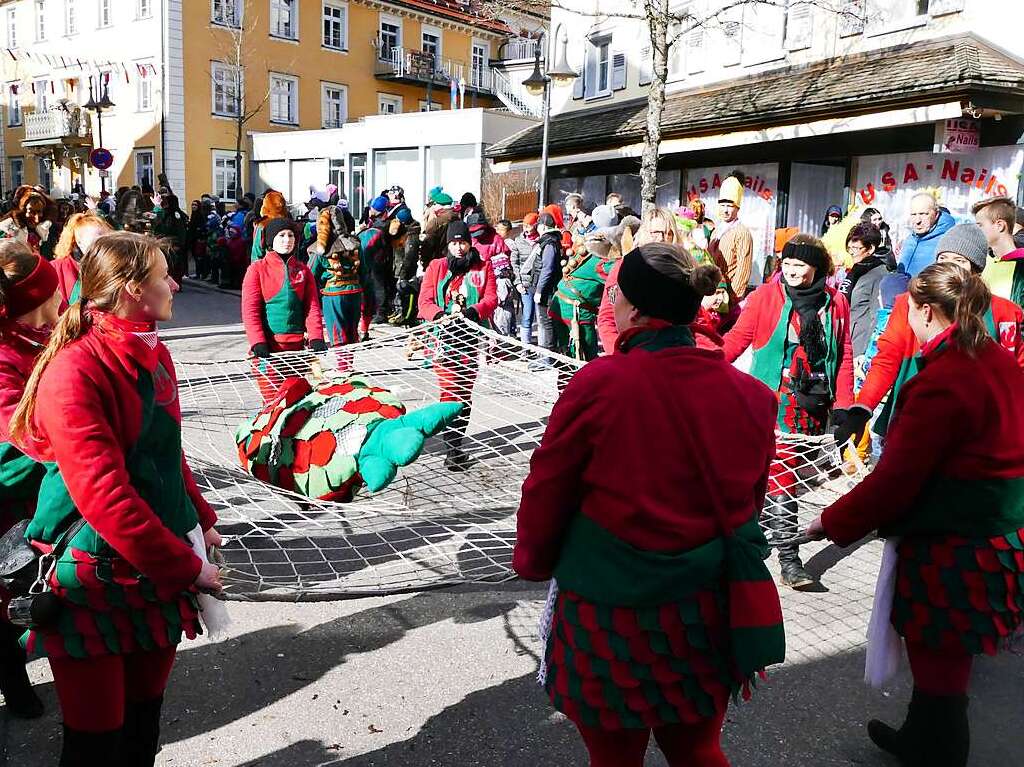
[[760, 317], [898, 344], [263, 289], [959, 417], [481, 277], [67, 276], [88, 418], [489, 244], [19, 348], [615, 449]]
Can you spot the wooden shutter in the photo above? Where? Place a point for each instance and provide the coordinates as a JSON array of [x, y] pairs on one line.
[[646, 73], [799, 28], [618, 70]]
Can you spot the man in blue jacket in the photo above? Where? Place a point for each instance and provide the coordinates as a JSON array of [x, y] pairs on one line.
[[546, 274], [928, 222]]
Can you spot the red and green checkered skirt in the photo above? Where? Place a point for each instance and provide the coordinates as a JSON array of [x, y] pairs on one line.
[[960, 594], [108, 609], [634, 668]]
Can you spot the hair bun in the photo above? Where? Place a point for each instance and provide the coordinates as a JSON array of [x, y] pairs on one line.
[[704, 279]]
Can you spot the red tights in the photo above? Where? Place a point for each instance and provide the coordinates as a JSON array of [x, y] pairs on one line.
[[682, 744], [939, 672], [93, 693]]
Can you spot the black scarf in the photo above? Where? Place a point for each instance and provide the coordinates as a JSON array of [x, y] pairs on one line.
[[856, 272], [459, 265], [807, 302]]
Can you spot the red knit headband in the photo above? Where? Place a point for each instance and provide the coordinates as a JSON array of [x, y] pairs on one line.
[[33, 291]]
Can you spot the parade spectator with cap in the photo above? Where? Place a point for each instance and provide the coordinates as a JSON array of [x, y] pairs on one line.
[[897, 359], [732, 242], [437, 214], [928, 222]]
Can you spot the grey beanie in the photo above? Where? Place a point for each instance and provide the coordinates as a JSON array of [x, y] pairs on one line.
[[604, 216], [966, 240]]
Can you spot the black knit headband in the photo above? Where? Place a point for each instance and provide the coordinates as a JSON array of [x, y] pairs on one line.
[[655, 294]]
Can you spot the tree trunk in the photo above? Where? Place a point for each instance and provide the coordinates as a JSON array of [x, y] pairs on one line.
[[657, 16]]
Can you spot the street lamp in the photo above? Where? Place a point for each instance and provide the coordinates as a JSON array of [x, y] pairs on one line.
[[93, 105], [539, 84]]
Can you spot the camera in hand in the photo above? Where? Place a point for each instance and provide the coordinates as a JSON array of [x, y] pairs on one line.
[[35, 611]]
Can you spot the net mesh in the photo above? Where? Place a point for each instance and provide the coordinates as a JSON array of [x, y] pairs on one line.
[[430, 527]]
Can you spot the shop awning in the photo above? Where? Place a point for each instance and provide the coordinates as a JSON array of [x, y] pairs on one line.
[[958, 69]]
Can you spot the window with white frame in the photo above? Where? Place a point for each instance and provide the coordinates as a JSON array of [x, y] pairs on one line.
[[144, 165], [430, 42], [479, 53], [70, 17], [336, 172], [284, 18], [227, 86], [334, 104], [143, 9], [40, 6], [284, 99], [17, 172], [226, 12], [335, 17], [42, 94], [598, 71], [12, 27], [431, 106], [106, 13], [225, 175], [389, 36], [388, 105], [896, 15], [13, 105], [144, 88]]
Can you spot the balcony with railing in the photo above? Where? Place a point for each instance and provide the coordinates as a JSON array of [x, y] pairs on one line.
[[419, 67], [517, 49], [60, 126]]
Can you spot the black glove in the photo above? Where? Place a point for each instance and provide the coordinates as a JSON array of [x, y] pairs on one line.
[[850, 423], [260, 350], [439, 315], [470, 313], [318, 345]]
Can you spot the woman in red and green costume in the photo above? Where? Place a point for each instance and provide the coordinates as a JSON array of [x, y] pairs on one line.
[[661, 606], [102, 406], [948, 493], [799, 328], [462, 283], [29, 303], [577, 297], [337, 268], [280, 305]]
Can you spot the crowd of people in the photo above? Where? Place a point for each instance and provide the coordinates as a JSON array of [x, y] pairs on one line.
[[662, 608]]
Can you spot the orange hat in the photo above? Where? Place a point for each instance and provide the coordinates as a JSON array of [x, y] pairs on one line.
[[530, 219], [556, 213]]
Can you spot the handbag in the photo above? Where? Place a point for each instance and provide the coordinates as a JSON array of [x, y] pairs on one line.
[[26, 574]]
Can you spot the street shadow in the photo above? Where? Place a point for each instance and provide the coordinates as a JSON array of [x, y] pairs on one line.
[[832, 555]]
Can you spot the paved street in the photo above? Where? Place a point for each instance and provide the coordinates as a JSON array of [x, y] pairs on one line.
[[447, 677]]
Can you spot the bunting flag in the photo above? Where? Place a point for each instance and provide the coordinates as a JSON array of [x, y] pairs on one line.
[[454, 91], [130, 69]]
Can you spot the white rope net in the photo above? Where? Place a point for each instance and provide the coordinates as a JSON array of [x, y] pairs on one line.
[[431, 526]]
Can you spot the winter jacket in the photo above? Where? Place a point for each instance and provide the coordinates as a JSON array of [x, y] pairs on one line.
[[478, 285], [523, 256], [547, 270], [616, 412], [488, 244], [735, 247], [1005, 276], [960, 420], [434, 233], [918, 251], [406, 267], [110, 419], [20, 469], [898, 346], [280, 303], [864, 306], [757, 325]]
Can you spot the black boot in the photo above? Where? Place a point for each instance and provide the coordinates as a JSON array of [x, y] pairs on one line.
[[456, 459], [936, 732], [21, 700], [141, 741], [90, 749], [784, 523]]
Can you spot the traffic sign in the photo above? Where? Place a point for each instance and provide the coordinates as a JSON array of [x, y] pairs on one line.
[[101, 158]]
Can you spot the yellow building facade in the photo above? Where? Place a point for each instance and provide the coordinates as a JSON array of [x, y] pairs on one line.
[[180, 71]]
